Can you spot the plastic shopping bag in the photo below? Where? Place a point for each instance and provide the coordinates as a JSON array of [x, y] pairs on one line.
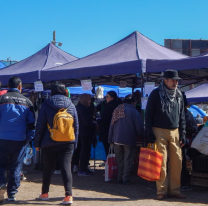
[[150, 162], [111, 169], [200, 142], [28, 155]]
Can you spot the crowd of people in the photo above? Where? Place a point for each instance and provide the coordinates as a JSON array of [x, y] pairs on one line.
[[168, 123]]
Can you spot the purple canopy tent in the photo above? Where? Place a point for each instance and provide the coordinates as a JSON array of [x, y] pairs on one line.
[[192, 69], [29, 69], [198, 94], [128, 56]]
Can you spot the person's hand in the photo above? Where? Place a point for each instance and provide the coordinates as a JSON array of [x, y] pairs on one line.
[[37, 148], [151, 138], [182, 140]]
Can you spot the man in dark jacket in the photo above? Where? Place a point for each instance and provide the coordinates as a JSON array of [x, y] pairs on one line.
[[17, 119], [86, 130], [166, 125], [199, 120]]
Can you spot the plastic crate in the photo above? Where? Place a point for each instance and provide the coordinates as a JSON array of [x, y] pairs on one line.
[[200, 163]]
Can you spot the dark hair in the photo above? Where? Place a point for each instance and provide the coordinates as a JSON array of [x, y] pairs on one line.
[[58, 88], [129, 99], [14, 82], [113, 94]]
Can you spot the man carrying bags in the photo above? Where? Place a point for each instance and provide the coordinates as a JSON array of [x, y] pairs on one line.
[[165, 124]]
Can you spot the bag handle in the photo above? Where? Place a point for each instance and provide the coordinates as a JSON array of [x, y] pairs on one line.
[[150, 146], [111, 149]]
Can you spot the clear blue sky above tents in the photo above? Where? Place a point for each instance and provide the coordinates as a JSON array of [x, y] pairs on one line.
[[85, 27]]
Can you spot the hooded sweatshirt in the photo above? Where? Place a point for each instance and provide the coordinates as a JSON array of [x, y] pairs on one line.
[[48, 110]]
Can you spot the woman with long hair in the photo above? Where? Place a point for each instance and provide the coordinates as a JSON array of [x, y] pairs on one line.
[[56, 150]]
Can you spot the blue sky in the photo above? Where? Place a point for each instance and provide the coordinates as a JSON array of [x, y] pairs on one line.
[[86, 26]]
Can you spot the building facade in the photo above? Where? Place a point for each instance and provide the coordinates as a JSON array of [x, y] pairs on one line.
[[188, 47]]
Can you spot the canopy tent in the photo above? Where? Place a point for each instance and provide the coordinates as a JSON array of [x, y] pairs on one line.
[[113, 64], [198, 94], [29, 69], [2, 65], [192, 70]]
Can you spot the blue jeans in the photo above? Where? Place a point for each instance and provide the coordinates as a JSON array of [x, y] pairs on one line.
[[11, 158]]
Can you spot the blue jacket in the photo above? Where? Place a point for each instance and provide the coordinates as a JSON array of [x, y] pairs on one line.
[[126, 130], [48, 110], [17, 117]]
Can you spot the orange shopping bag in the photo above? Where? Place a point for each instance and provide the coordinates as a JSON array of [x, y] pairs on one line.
[[150, 162]]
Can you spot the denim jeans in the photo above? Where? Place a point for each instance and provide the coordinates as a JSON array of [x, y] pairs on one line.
[[11, 157]]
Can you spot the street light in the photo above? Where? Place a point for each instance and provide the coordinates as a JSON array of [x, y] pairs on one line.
[[54, 40], [9, 59]]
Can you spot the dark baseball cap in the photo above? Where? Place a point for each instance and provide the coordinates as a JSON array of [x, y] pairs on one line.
[[171, 74]]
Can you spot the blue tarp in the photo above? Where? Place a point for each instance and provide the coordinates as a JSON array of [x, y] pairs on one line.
[[2, 65], [198, 94], [122, 92], [195, 110], [128, 56], [29, 69]]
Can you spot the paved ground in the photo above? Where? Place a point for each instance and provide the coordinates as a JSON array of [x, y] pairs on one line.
[[94, 191]]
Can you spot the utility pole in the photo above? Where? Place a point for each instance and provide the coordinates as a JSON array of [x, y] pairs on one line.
[[54, 38]]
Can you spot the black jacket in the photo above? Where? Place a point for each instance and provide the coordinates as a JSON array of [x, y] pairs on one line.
[[48, 110], [86, 124], [106, 117], [155, 117]]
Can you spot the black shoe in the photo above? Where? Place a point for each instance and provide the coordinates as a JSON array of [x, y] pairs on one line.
[[185, 188], [119, 181], [126, 182]]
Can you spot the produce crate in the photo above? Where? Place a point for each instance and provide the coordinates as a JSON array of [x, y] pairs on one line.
[[200, 163]]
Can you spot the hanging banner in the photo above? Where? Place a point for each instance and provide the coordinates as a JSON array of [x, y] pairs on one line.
[[148, 87], [122, 84], [144, 101], [86, 84], [38, 86]]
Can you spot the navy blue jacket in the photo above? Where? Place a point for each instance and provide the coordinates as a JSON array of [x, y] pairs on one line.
[[126, 130], [48, 110], [86, 125], [17, 117]]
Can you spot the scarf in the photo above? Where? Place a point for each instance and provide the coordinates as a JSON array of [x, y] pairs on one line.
[[168, 97], [118, 113]]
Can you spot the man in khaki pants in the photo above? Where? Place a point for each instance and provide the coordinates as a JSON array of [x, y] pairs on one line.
[[165, 124]]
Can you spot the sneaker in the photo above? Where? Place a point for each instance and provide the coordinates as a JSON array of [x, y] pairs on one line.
[[57, 172], [44, 196], [23, 177], [75, 169], [84, 174], [185, 188], [11, 198], [2, 191], [67, 200]]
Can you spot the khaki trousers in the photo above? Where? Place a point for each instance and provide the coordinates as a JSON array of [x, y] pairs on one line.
[[167, 141]]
